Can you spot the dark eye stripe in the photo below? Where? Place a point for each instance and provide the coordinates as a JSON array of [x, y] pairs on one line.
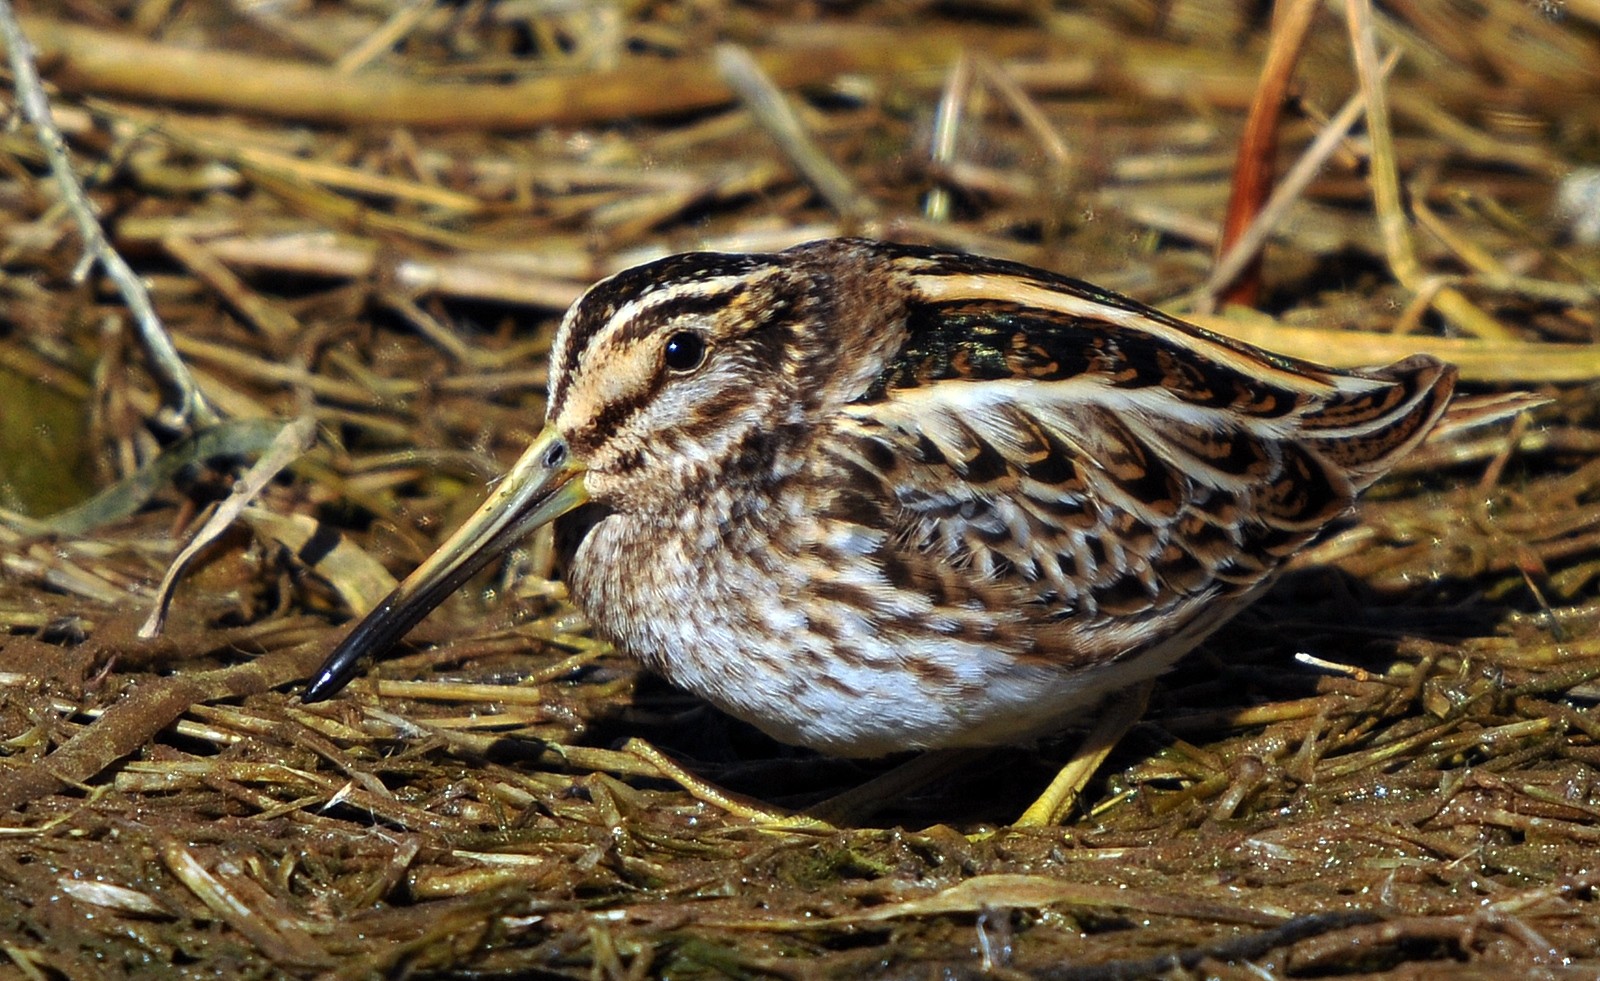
[[687, 304], [611, 418], [680, 287], [685, 275]]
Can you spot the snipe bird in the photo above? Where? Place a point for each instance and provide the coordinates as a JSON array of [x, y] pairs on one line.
[[873, 497]]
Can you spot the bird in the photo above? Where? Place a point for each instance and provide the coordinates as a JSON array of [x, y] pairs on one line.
[[874, 497]]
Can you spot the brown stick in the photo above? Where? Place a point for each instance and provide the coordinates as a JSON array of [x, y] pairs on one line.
[[189, 409], [107, 63], [1258, 146]]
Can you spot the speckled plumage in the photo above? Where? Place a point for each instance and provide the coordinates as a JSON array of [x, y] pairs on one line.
[[912, 499]]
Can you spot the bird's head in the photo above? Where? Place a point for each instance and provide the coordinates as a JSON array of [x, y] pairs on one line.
[[683, 373], [698, 372]]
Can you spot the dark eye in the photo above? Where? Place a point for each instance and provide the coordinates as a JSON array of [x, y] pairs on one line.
[[685, 351]]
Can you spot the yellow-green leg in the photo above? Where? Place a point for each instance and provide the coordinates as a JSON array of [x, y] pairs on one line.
[[1120, 714], [919, 771]]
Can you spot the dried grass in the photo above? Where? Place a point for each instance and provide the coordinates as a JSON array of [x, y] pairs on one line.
[[371, 216]]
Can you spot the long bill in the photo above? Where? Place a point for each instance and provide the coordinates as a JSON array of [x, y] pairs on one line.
[[543, 485]]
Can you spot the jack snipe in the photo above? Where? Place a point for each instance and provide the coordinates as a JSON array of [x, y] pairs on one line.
[[874, 497]]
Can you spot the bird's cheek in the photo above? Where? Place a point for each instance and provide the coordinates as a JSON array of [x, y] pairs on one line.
[[599, 439], [602, 487], [616, 470]]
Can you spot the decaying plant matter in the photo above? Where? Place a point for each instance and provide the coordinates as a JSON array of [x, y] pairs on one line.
[[370, 217]]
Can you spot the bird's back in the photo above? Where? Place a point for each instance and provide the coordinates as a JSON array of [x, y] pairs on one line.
[[1092, 478]]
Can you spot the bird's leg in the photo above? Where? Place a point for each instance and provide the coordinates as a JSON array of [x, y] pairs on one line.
[[1120, 713], [736, 805], [919, 771]]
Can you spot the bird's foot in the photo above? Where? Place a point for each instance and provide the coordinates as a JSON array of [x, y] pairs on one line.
[[1120, 714]]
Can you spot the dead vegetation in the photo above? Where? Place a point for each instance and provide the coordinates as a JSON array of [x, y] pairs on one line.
[[369, 216]]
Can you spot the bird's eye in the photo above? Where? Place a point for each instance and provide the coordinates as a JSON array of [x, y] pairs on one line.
[[685, 351]]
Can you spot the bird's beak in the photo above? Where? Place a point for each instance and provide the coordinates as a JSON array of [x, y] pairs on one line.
[[546, 483]]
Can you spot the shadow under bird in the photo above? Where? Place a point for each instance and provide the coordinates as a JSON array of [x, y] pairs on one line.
[[873, 497]]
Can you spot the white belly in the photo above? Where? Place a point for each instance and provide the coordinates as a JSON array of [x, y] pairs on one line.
[[835, 680]]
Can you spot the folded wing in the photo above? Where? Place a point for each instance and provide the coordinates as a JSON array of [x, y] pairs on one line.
[[1108, 476]]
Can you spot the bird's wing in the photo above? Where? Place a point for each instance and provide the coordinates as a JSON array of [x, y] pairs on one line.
[[1107, 473]]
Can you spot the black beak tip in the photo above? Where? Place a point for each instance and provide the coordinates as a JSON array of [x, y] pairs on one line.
[[374, 633], [331, 678]]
